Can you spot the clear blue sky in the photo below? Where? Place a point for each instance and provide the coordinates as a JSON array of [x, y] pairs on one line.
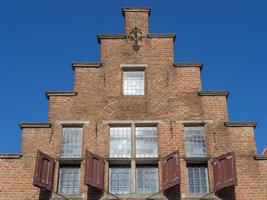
[[39, 40]]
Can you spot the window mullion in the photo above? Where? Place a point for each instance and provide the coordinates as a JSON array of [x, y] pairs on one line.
[[133, 140], [133, 176], [133, 162]]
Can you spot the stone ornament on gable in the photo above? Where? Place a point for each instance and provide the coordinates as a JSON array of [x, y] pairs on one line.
[[136, 35]]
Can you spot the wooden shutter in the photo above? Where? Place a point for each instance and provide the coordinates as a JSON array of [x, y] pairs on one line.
[[171, 170], [173, 193], [44, 171], [94, 171], [224, 171]]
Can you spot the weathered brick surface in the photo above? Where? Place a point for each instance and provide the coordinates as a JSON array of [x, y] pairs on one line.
[[136, 18], [17, 174], [170, 98]]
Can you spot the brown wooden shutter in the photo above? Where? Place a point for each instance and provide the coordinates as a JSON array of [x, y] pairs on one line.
[[44, 171], [224, 171], [171, 170], [94, 171]]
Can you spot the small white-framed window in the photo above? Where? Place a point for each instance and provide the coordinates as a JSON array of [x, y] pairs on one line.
[[197, 179], [133, 82], [71, 142], [69, 179], [195, 145]]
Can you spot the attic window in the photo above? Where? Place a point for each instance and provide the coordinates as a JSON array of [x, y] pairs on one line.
[[133, 82], [133, 79]]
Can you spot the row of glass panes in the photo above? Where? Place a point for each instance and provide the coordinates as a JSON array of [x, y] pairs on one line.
[[120, 146], [120, 142], [146, 142], [120, 180], [146, 180]]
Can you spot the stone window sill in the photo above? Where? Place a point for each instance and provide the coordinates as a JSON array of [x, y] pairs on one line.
[[194, 195], [132, 196], [68, 196]]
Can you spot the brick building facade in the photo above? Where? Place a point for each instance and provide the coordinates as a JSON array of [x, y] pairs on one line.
[[137, 125]]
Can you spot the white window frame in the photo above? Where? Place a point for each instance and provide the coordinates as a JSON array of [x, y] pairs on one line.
[[76, 167], [155, 169], [133, 68], [63, 146], [72, 162], [147, 139], [133, 127], [207, 179], [133, 161], [119, 167], [121, 134], [198, 144]]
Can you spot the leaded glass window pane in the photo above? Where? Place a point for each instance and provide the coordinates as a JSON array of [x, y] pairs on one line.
[[146, 179], [69, 180], [195, 142], [133, 82], [71, 142], [120, 142], [198, 179], [146, 142], [120, 180]]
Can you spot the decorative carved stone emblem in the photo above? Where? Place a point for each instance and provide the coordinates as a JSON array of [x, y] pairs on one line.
[[136, 35]]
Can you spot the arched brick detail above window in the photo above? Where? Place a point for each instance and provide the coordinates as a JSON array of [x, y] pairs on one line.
[[132, 108]]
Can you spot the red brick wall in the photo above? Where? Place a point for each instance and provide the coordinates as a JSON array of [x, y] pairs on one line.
[[170, 95], [136, 19]]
